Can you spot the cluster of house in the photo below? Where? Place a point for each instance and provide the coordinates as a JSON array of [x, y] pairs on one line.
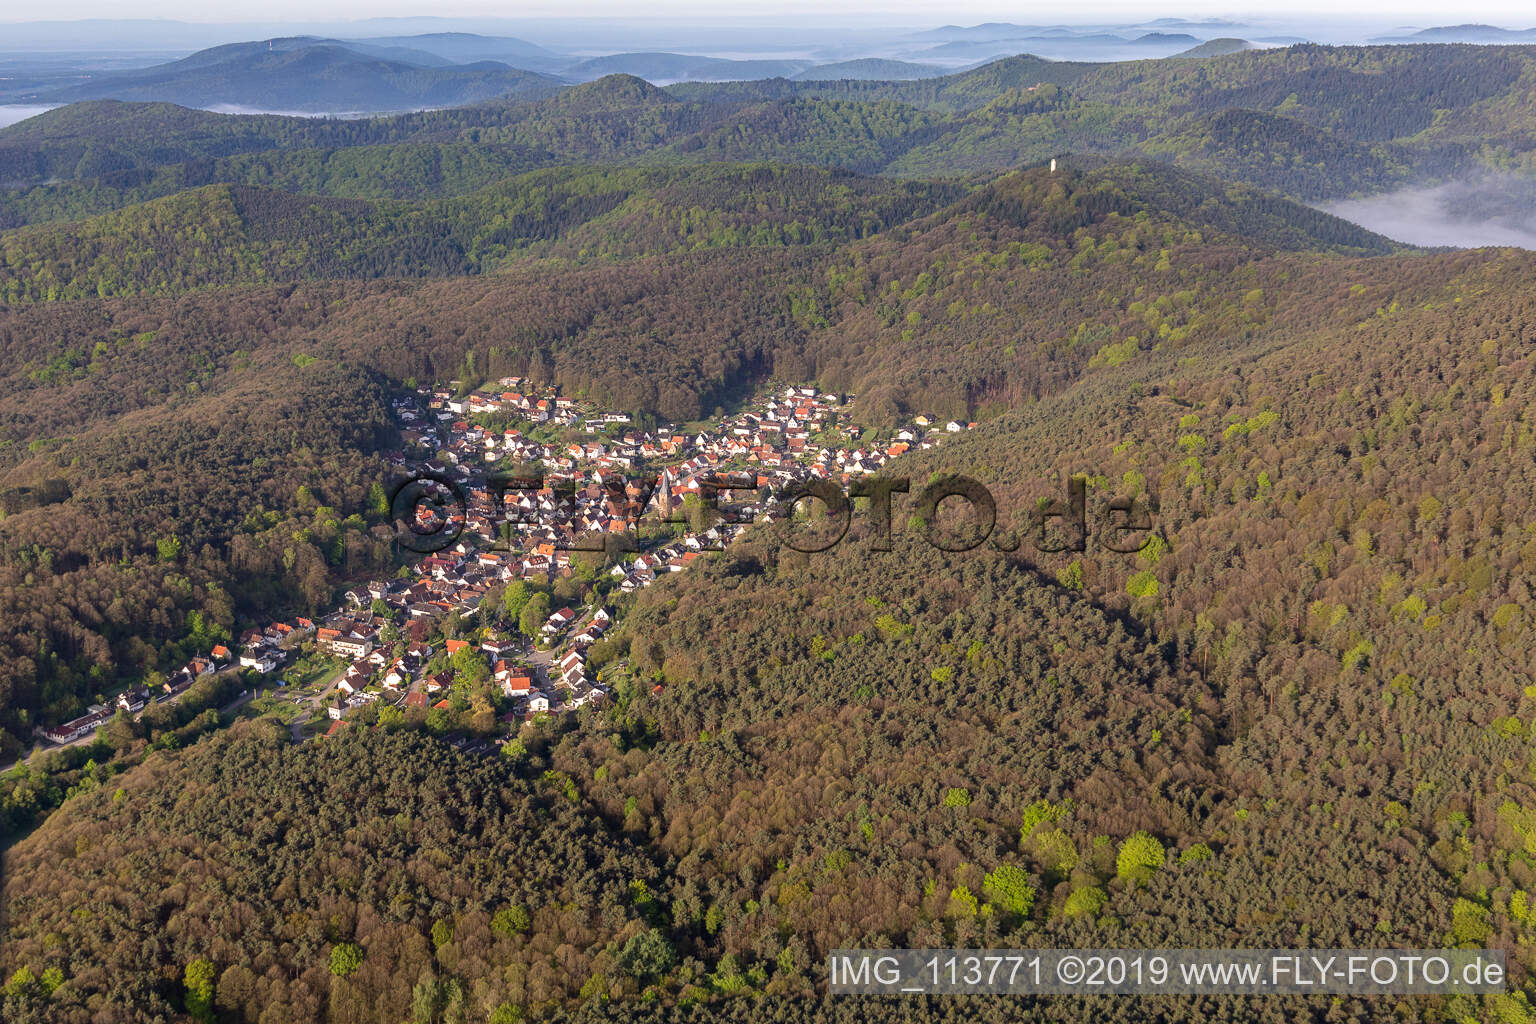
[[266, 650], [94, 718], [513, 396], [674, 557], [137, 698], [404, 678], [568, 667], [587, 489]]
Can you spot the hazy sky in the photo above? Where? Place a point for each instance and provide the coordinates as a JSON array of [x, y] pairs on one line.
[[1510, 13]]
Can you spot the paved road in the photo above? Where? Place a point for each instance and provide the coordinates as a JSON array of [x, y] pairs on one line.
[[36, 751], [539, 661], [312, 704], [89, 737], [239, 702]]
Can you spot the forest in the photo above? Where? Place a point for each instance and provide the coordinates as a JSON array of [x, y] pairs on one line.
[[1309, 122], [201, 415], [221, 234], [1300, 717]]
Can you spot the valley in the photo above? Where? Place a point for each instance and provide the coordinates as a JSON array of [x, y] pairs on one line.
[[608, 751]]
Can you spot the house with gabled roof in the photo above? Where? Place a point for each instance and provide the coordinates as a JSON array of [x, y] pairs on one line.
[[558, 621]]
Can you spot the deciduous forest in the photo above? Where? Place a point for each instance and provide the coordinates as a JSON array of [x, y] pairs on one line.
[[1300, 716]]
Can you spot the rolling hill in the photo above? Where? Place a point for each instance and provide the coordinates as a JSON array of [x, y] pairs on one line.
[[589, 266], [1297, 717], [311, 75], [869, 69], [467, 47], [1216, 48], [1464, 34], [678, 67], [1313, 123], [1279, 387], [263, 235]]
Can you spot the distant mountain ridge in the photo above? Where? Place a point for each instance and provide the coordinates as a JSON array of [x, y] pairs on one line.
[[1312, 122], [1217, 48], [313, 75], [1062, 45], [873, 69], [674, 67], [994, 30], [461, 45], [216, 55], [1483, 34], [389, 73], [468, 48]]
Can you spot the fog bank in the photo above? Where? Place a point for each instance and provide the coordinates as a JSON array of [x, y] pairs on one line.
[[10, 115], [1487, 210], [345, 115]]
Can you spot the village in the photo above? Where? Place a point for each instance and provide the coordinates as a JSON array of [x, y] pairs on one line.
[[589, 476]]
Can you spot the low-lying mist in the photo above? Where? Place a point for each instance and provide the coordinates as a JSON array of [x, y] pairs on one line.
[[345, 115], [11, 114], [1490, 209]]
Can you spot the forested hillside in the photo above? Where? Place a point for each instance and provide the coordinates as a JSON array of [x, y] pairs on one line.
[[1308, 121], [140, 408], [312, 74], [996, 298], [1299, 716], [863, 747], [358, 883], [220, 235]]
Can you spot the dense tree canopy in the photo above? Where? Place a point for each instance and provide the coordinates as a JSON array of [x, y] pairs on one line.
[[1297, 716]]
